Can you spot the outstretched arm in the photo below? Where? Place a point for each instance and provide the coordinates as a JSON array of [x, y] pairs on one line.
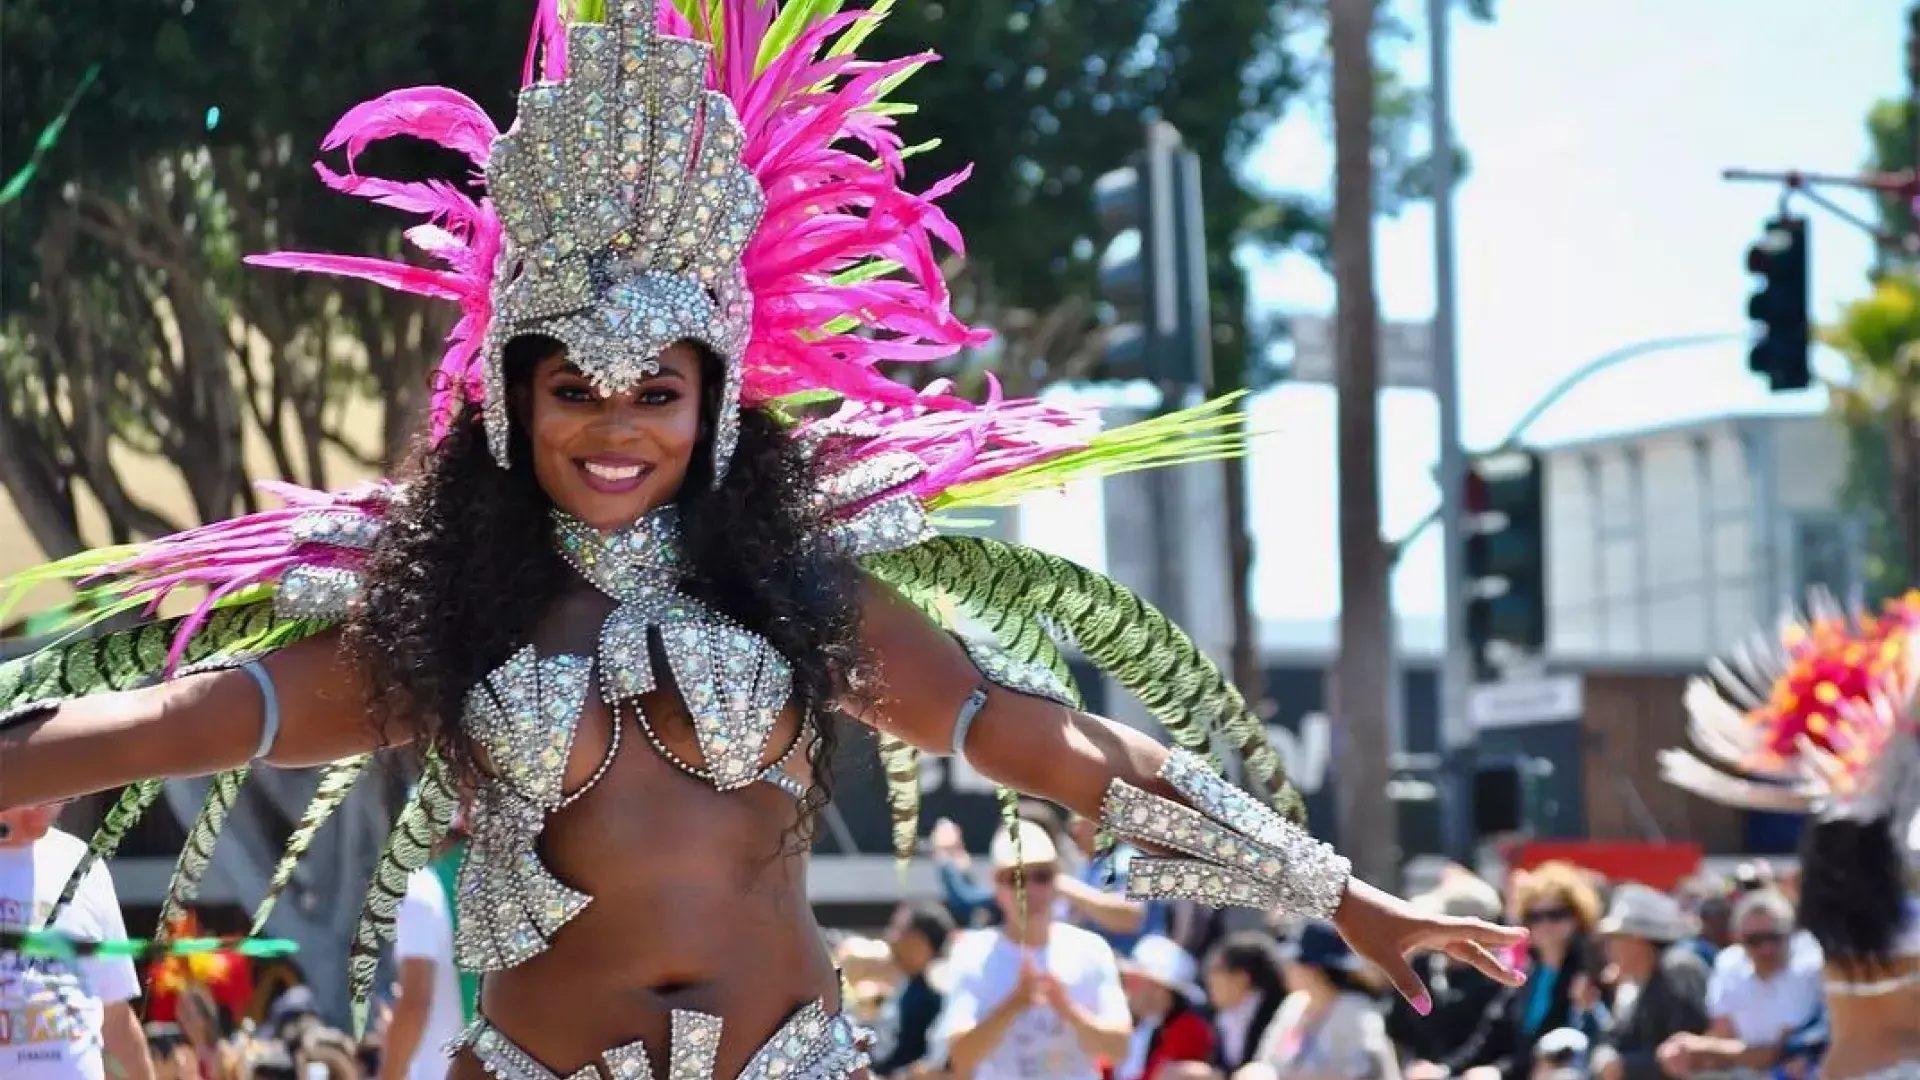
[[189, 726], [922, 682]]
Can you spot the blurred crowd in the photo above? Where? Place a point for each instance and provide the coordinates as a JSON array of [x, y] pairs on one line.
[[1625, 982], [1037, 966]]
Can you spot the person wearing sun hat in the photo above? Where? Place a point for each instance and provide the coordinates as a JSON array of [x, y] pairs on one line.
[[1330, 1024], [1033, 997], [1661, 989], [1163, 994]]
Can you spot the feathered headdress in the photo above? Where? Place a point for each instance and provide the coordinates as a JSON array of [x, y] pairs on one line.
[[1815, 719], [738, 184]]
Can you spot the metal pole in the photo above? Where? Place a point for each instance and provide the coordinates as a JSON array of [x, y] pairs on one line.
[[1456, 670]]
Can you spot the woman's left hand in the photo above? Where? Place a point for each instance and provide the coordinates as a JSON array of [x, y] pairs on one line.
[[1384, 929]]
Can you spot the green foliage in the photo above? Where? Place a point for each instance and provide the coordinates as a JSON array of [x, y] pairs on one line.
[[1880, 343]]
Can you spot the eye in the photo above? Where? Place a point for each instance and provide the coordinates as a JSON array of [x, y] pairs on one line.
[[657, 395], [576, 393]]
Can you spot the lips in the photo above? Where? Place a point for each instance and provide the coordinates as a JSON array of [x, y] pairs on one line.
[[613, 475]]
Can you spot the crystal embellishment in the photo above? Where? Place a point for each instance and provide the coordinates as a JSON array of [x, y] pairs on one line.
[[316, 592], [811, 1045], [1032, 679], [626, 207], [733, 681], [1232, 851], [524, 718]]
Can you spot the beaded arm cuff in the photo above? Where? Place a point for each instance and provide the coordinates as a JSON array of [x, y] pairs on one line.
[[1233, 851]]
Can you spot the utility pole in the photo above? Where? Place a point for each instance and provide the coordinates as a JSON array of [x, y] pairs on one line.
[[1456, 667], [1368, 823]]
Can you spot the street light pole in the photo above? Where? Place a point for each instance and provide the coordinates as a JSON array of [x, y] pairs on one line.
[[1456, 670]]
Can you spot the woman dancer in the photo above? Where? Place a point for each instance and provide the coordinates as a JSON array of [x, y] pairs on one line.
[[1822, 724], [620, 591]]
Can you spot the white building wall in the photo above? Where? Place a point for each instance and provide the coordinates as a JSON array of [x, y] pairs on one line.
[[1668, 545]]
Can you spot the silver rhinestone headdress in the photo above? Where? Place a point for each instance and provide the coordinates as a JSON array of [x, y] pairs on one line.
[[626, 208]]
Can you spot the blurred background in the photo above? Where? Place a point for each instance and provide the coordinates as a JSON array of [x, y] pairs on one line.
[[1544, 420]]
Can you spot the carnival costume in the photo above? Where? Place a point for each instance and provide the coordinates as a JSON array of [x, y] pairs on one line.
[[726, 173], [1818, 719]]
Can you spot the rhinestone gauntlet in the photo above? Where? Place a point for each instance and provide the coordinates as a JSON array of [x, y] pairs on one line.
[[1233, 851]]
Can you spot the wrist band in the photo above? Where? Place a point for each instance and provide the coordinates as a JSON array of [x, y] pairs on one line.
[[969, 709], [270, 723]]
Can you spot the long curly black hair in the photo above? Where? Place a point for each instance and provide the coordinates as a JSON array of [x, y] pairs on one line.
[[466, 568], [1853, 892]]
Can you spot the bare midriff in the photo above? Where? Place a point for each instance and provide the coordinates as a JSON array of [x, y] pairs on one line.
[[699, 902]]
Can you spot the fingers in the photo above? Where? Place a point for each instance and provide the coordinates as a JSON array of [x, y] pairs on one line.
[[1407, 984], [1483, 959], [1489, 934]]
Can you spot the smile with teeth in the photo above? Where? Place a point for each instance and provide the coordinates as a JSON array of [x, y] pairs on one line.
[[612, 472]]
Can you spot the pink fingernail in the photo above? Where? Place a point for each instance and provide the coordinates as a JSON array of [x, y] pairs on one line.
[[1423, 1004]]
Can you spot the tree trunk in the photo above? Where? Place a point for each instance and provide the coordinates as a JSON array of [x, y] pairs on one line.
[[1359, 695]]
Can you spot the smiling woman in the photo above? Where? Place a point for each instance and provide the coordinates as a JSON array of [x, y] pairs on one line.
[[669, 524]]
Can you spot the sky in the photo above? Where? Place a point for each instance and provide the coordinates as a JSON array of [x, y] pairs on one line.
[[1594, 217]]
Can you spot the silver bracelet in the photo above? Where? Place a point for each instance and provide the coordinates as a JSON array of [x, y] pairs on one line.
[[969, 709], [1226, 849], [270, 724]]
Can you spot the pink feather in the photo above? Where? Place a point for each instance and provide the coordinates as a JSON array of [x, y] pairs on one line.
[[433, 113]]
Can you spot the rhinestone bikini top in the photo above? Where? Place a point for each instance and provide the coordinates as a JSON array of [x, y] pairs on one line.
[[526, 713]]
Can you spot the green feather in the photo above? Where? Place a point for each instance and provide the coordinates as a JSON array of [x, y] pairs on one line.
[[120, 819], [423, 821], [1210, 431], [1007, 586], [901, 762], [336, 782], [204, 834]]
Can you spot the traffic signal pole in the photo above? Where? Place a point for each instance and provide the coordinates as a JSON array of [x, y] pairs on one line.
[[1456, 670]]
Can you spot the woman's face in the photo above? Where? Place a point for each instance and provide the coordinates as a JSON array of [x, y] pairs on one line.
[[1551, 921], [1225, 986], [610, 460]]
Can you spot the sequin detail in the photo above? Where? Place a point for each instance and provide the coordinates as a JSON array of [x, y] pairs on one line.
[[316, 592], [348, 530], [1239, 852], [734, 682], [524, 717], [626, 207], [1002, 668], [811, 1045]]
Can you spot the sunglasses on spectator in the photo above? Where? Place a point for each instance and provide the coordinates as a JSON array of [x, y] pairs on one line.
[[1546, 915], [1763, 937], [1035, 875]]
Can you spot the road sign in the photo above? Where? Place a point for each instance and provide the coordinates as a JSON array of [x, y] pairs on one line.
[[1406, 352], [1528, 701]]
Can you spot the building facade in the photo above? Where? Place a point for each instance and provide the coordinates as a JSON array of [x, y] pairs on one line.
[[1669, 545]]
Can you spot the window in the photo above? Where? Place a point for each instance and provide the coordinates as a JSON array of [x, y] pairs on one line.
[[1823, 556]]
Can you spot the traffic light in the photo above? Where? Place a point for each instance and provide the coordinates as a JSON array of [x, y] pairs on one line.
[[1152, 267], [1506, 559], [1780, 304], [1499, 799]]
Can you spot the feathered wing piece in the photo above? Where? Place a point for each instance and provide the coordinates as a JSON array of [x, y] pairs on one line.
[[1814, 719]]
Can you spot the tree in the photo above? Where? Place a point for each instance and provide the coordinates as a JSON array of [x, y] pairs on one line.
[[127, 323], [1363, 668], [1879, 335], [1876, 336]]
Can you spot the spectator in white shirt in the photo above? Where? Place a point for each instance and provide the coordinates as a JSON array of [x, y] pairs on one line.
[[61, 1021], [428, 1012], [1764, 986], [1047, 1005]]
